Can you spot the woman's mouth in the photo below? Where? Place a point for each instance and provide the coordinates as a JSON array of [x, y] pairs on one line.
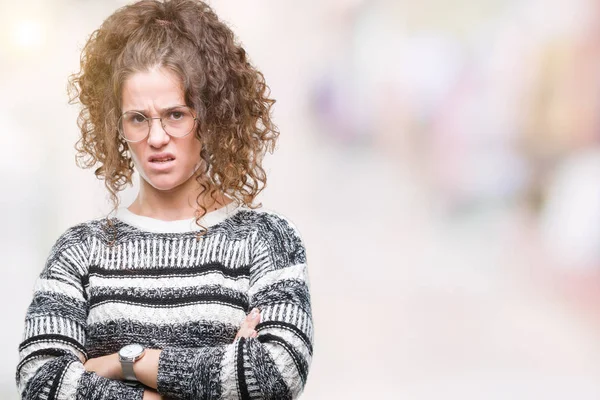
[[161, 161], [162, 165]]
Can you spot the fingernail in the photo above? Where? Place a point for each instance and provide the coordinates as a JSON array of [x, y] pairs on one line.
[[254, 313]]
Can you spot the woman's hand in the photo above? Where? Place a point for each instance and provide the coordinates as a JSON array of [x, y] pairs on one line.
[[107, 366], [151, 395], [247, 329]]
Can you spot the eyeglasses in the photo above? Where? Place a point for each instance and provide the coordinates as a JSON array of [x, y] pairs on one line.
[[178, 121]]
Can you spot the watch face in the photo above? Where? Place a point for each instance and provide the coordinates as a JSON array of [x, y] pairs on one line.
[[131, 350]]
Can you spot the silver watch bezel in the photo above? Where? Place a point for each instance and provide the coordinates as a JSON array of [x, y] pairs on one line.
[[136, 356]]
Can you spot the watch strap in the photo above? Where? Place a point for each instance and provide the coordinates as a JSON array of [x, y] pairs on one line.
[[128, 373]]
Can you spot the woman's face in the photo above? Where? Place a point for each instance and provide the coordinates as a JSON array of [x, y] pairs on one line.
[[151, 92]]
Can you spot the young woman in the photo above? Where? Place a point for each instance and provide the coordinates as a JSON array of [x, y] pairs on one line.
[[191, 291]]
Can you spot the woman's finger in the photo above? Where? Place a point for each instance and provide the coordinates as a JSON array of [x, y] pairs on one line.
[[253, 318], [248, 326]]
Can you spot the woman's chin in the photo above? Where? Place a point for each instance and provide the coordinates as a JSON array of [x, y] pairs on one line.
[[165, 183]]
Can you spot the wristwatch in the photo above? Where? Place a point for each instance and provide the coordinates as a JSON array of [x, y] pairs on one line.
[[128, 355]]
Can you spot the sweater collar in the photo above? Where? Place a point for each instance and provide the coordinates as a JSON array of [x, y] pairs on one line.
[[177, 226]]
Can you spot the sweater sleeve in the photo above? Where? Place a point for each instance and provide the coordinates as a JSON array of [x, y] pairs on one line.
[[275, 364], [52, 352]]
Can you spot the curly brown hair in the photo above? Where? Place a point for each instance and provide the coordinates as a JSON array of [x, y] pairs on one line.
[[229, 95]]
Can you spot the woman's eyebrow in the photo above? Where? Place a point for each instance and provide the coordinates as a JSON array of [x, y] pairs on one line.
[[161, 110]]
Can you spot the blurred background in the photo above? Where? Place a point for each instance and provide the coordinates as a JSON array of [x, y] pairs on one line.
[[441, 160]]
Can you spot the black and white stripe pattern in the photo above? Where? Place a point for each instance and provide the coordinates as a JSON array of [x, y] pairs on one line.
[[159, 286]]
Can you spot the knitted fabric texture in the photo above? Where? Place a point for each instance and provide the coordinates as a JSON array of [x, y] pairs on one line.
[[160, 287]]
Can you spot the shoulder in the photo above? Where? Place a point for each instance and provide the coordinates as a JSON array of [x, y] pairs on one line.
[[73, 235], [267, 222], [69, 253], [277, 236], [79, 235]]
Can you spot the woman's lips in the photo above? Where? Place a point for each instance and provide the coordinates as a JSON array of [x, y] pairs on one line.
[[162, 165], [161, 156]]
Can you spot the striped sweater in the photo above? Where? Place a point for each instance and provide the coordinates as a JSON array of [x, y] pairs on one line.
[[159, 286]]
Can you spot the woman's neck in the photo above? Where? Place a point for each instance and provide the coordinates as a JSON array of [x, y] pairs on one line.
[[175, 204]]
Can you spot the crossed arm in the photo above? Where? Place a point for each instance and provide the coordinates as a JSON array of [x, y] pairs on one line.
[[146, 369]]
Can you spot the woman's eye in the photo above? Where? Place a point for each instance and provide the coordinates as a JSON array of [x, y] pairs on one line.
[[176, 115], [137, 119]]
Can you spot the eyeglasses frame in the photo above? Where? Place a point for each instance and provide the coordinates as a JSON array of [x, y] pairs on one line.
[[148, 119]]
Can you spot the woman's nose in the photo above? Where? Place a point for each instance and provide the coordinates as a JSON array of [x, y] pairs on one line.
[[157, 137]]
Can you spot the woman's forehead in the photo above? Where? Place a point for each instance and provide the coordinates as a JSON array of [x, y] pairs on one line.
[[157, 88]]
